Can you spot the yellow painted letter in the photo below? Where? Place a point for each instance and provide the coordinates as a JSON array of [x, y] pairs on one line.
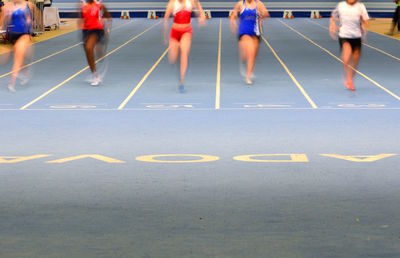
[[190, 158], [360, 158], [85, 156], [273, 158], [18, 159]]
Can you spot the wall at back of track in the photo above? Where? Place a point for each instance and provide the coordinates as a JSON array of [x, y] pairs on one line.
[[220, 8]]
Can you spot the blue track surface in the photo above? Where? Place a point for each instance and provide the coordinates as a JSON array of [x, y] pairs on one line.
[[329, 203]]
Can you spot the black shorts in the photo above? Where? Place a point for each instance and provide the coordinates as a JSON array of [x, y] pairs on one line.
[[253, 36], [99, 34], [354, 43], [13, 37], [396, 15]]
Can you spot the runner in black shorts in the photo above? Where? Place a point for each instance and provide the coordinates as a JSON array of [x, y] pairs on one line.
[[98, 33], [355, 43], [396, 18], [94, 16], [353, 19]]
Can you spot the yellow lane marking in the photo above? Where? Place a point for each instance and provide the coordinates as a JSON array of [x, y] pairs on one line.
[[8, 48], [365, 44], [338, 59], [218, 85], [137, 87], [54, 54], [42, 59], [305, 94], [87, 67]]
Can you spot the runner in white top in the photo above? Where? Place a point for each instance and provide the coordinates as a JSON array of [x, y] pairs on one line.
[[349, 22]]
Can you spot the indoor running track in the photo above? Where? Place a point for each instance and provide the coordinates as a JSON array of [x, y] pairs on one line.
[[293, 166]]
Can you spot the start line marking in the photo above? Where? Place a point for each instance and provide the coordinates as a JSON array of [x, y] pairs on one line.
[[369, 105], [192, 106], [169, 106], [75, 106], [266, 106]]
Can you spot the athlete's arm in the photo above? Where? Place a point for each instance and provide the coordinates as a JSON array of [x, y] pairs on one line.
[[167, 15], [32, 11], [364, 20], [106, 13], [263, 10], [80, 15], [3, 12], [168, 11], [333, 28], [32, 7], [234, 16], [107, 21], [202, 16], [236, 11], [364, 25]]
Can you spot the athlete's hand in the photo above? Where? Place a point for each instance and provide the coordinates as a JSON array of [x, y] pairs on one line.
[[364, 32], [233, 26], [202, 21], [333, 31], [165, 29], [107, 23], [165, 40]]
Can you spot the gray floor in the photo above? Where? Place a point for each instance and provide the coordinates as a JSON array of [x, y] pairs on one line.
[[320, 207]]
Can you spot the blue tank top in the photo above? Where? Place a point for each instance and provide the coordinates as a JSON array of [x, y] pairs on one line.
[[249, 21], [21, 21]]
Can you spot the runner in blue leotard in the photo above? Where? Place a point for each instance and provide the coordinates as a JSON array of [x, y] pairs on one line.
[[17, 16], [250, 13]]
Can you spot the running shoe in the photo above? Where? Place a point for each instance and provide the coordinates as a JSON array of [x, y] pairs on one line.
[[96, 81], [24, 78], [249, 81], [103, 69], [89, 78], [242, 69], [181, 88], [11, 88], [349, 86]]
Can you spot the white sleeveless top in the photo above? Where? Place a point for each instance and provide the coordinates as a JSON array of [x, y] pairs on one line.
[[350, 18], [179, 7]]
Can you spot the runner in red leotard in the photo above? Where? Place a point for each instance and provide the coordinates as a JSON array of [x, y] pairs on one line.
[[180, 39], [94, 16]]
